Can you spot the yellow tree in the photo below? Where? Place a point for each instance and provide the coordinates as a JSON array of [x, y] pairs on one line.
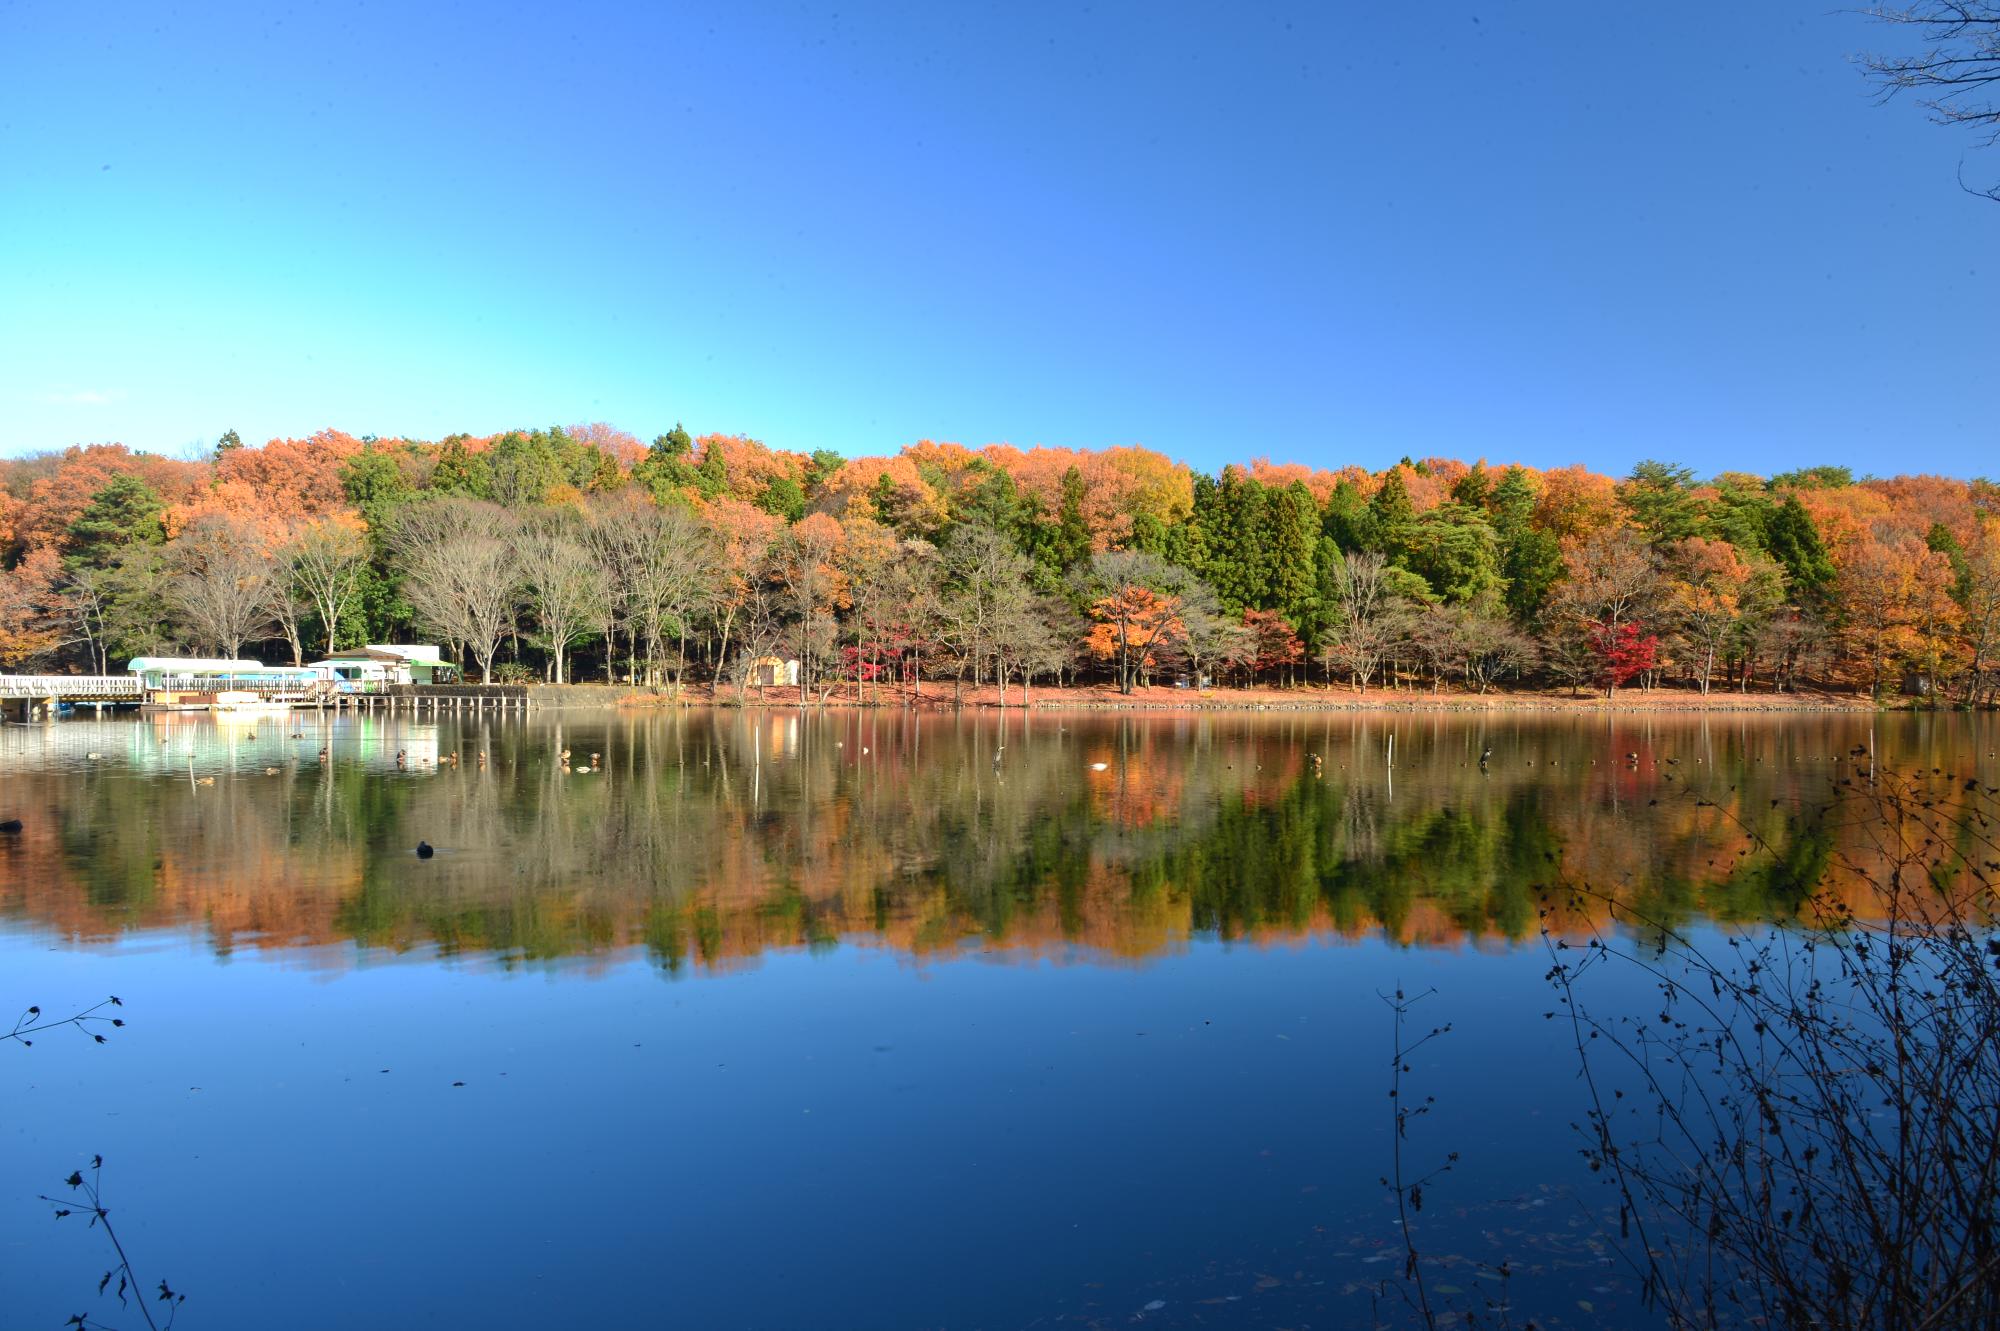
[[744, 535], [1978, 595], [1705, 585], [806, 563], [1897, 592]]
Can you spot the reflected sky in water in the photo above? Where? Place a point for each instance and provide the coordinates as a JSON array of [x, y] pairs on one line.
[[847, 1020]]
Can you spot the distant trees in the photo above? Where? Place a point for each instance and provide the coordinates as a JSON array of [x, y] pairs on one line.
[[577, 550]]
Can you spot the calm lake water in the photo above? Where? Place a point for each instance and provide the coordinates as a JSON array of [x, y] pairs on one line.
[[848, 1020]]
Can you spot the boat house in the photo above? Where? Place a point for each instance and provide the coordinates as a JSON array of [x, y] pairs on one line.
[[380, 664]]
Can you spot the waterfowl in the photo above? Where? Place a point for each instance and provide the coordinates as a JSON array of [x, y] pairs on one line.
[[424, 850]]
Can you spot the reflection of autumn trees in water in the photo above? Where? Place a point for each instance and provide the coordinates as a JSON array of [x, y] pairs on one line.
[[710, 837]]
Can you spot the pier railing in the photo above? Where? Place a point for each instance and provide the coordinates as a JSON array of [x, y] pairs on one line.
[[73, 688]]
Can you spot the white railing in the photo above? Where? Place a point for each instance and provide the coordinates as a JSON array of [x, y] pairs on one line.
[[70, 686]]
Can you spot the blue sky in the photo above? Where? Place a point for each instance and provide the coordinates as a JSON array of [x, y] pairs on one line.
[[1323, 232]]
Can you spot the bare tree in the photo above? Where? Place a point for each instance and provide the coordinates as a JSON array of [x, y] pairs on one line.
[[1034, 639], [220, 582], [83, 608], [461, 571], [328, 560], [805, 562], [1490, 648], [567, 587], [760, 625], [1954, 70], [1611, 580], [1371, 618], [985, 597], [1214, 641], [1433, 640], [664, 565], [1802, 1132]]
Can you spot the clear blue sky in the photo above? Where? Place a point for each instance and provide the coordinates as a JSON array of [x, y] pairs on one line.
[[1322, 232]]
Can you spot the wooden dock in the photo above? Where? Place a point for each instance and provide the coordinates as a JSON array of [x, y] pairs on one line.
[[37, 697]]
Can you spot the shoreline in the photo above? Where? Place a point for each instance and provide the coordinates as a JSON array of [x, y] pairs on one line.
[[932, 698]]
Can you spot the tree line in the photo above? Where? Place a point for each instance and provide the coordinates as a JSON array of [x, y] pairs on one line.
[[569, 554]]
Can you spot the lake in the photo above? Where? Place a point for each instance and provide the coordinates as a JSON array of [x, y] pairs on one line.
[[855, 1019]]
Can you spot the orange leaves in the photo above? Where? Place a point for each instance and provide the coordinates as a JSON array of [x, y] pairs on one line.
[[1119, 484], [891, 490], [64, 483], [623, 449], [1575, 502], [746, 532], [1897, 591], [750, 465], [1133, 620], [26, 593], [1275, 643], [289, 478]]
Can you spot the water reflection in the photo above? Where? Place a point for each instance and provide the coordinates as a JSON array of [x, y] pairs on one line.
[[708, 838]]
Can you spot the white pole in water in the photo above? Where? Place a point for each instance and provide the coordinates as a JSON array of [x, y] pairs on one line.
[[1392, 748]]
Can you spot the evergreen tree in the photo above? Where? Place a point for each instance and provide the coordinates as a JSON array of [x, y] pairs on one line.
[[711, 475], [1530, 558], [125, 512], [1940, 539], [824, 463], [784, 497], [665, 469], [1454, 549], [996, 502], [1187, 545], [1813, 478], [1473, 488], [1290, 546], [1740, 513], [376, 486], [1072, 545], [460, 471], [1062, 545], [1148, 534], [1316, 625], [1239, 566], [1391, 514], [1661, 500], [1794, 541], [1345, 518]]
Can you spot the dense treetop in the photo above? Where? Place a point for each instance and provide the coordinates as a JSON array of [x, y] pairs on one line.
[[550, 547]]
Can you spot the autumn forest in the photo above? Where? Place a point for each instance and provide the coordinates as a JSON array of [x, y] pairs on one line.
[[583, 554]]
